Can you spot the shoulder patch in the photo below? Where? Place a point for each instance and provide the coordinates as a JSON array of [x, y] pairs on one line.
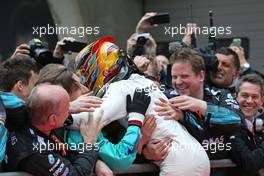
[[51, 159], [232, 137]]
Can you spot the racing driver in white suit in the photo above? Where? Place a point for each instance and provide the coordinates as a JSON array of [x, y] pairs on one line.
[[110, 73]]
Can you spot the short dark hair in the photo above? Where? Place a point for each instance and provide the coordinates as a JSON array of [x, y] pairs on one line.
[[190, 56], [16, 69], [253, 79], [227, 51], [59, 75]]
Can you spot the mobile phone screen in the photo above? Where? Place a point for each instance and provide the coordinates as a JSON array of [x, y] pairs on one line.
[[236, 42], [73, 46], [160, 18]]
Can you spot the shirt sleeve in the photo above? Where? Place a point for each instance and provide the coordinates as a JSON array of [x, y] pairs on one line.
[[224, 111], [120, 155]]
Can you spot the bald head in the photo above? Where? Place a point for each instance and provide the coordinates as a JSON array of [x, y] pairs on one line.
[[45, 100]]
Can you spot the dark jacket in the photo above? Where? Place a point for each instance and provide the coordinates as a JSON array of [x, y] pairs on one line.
[[27, 150], [248, 151], [223, 118]]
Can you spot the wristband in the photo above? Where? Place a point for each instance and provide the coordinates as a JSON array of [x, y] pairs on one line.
[[135, 119]]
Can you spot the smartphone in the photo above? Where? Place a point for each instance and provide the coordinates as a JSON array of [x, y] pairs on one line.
[[73, 46], [160, 18], [191, 27], [236, 42]]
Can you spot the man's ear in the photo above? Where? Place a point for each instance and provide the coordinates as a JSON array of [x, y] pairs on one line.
[[235, 94], [19, 85], [52, 120], [236, 76], [202, 75]]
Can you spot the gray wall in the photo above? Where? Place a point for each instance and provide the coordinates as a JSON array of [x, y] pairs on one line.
[[116, 18], [119, 18], [245, 17]]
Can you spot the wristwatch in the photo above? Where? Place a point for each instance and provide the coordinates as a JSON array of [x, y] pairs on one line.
[[246, 65]]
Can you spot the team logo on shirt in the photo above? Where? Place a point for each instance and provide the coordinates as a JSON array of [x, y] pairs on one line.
[[51, 159]]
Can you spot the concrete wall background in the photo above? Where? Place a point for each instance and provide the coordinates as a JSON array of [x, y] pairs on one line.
[[245, 17], [119, 18]]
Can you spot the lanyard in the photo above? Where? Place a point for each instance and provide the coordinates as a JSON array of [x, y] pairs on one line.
[[62, 146]]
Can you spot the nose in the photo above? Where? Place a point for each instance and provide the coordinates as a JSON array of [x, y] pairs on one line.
[[249, 99], [178, 80], [219, 67]]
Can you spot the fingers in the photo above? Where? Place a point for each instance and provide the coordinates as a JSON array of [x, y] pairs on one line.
[[85, 103], [152, 126], [62, 42], [176, 115], [161, 143], [128, 100], [181, 105], [82, 127], [90, 118], [165, 152], [165, 114], [155, 141], [164, 147], [163, 108], [22, 50], [71, 39], [100, 122], [101, 169], [92, 102], [86, 110], [100, 115], [90, 93], [149, 15], [148, 99], [91, 99], [149, 124], [158, 149], [178, 99], [168, 117], [160, 103], [149, 119], [23, 47], [141, 62]]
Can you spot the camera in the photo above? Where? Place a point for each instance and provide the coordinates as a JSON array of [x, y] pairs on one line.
[[141, 41], [207, 53], [39, 52]]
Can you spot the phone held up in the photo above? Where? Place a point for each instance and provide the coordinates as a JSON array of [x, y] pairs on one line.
[[160, 18]]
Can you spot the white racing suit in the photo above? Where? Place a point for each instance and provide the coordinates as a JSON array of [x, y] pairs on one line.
[[186, 156]]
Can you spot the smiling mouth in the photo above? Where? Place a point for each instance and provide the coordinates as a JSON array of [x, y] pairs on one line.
[[249, 108], [219, 75], [181, 88]]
